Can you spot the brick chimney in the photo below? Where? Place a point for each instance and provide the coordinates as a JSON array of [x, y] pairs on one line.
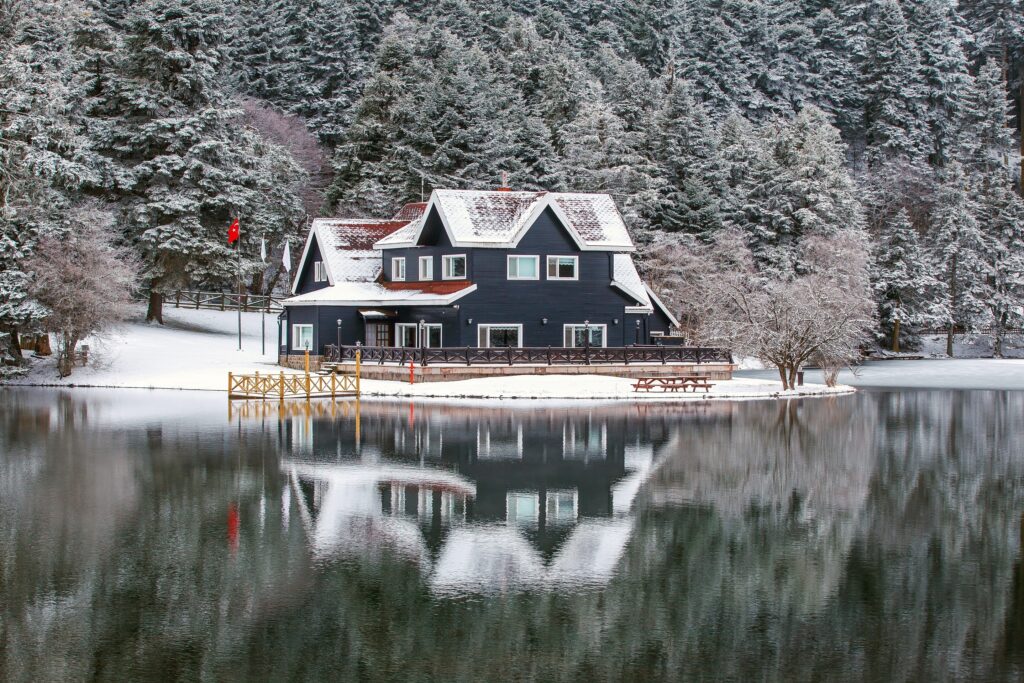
[[504, 183]]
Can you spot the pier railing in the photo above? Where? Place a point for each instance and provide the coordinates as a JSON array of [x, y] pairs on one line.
[[542, 355], [282, 386]]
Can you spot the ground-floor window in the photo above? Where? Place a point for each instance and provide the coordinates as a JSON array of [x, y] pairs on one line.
[[575, 336], [490, 336], [405, 335], [302, 337]]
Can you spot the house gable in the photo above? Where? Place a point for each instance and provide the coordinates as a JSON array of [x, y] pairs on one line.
[[304, 280], [433, 233]]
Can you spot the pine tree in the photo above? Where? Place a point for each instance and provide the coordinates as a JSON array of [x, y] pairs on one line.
[[174, 156], [988, 142], [684, 147], [43, 160], [903, 278], [894, 96], [958, 246], [1003, 220], [944, 74]]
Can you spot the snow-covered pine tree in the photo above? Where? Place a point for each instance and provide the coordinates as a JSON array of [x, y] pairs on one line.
[[1003, 227], [333, 69], [958, 247], [41, 153], [797, 186], [988, 144], [939, 37], [378, 164], [683, 143], [711, 55], [174, 155], [601, 155], [895, 125], [904, 282]]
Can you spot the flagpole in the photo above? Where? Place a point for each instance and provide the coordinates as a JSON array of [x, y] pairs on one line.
[[238, 278]]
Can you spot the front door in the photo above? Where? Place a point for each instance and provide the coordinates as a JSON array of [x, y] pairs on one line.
[[378, 334]]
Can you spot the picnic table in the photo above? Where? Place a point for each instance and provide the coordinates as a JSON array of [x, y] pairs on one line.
[[682, 382]]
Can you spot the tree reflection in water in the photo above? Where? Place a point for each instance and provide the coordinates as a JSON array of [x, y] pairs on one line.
[[875, 536]]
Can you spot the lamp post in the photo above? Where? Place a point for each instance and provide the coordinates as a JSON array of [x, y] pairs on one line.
[[637, 342], [339, 340]]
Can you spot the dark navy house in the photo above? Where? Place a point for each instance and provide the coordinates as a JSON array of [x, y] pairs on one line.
[[474, 268]]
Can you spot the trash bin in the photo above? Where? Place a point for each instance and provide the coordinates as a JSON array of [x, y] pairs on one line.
[[799, 378]]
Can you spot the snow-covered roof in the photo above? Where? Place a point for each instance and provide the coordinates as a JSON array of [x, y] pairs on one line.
[[376, 294], [346, 245], [626, 278], [474, 218]]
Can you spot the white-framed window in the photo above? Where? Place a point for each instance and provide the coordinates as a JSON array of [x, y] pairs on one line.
[[319, 272], [523, 267], [499, 335], [426, 267], [405, 335], [302, 337], [563, 267], [397, 269], [453, 267], [575, 336]]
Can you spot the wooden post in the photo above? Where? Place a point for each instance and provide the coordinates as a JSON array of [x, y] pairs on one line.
[[549, 353], [222, 297], [177, 299], [307, 360], [257, 386], [467, 356], [332, 384], [359, 369], [896, 336], [229, 385], [197, 301], [307, 386], [281, 386]]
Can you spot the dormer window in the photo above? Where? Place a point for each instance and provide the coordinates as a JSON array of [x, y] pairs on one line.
[[563, 268], [319, 272], [398, 269], [454, 267]]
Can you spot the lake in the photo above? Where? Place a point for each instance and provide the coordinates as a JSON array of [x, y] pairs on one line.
[[168, 536]]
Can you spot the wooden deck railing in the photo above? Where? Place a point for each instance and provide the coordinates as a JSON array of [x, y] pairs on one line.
[[227, 301], [544, 355], [282, 386]]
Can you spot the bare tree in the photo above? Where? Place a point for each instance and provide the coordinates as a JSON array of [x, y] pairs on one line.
[[82, 280], [820, 316]]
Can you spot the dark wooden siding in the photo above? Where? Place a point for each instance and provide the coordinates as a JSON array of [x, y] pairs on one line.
[[306, 283]]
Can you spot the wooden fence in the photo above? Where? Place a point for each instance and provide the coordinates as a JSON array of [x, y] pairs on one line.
[[227, 301], [282, 386], [549, 355]]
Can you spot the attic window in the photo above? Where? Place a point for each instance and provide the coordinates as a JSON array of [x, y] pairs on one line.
[[319, 272], [398, 269]]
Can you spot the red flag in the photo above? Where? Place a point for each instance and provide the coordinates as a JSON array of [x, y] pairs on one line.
[[233, 232]]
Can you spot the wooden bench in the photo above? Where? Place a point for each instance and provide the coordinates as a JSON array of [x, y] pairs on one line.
[[674, 384]]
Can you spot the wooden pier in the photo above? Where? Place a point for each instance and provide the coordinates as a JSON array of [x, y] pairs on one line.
[[281, 386]]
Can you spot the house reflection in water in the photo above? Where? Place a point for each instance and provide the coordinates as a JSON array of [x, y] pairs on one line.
[[481, 500]]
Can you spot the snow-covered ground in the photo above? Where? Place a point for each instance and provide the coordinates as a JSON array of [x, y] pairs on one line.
[[196, 349], [947, 373], [192, 350]]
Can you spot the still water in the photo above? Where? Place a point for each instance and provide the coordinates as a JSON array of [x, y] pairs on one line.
[[160, 536]]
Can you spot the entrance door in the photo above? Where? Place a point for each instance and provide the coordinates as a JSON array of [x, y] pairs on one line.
[[378, 334]]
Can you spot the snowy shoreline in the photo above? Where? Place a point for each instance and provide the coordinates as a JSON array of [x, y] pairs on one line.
[[195, 350]]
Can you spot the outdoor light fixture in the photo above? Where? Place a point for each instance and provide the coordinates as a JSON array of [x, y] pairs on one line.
[[543, 321], [615, 321], [455, 306], [469, 321]]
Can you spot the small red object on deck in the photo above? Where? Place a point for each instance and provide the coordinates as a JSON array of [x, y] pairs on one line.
[[412, 371]]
